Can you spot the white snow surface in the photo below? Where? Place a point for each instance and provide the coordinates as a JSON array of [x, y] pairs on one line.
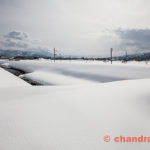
[[8, 80], [79, 115], [75, 117], [80, 72]]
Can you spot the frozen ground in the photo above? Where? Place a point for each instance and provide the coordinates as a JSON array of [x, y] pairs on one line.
[[79, 115]]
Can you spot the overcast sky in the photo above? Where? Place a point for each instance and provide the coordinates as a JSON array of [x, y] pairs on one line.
[[78, 27]]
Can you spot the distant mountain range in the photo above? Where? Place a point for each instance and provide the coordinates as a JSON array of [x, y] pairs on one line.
[[138, 57], [22, 54], [25, 54]]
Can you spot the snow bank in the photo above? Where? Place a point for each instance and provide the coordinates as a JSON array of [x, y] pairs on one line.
[[7, 80], [74, 117]]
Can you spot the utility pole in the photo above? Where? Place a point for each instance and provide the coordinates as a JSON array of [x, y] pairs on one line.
[[111, 50], [126, 56], [54, 54]]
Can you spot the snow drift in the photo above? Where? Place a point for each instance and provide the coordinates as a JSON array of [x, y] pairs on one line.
[[7, 79], [74, 117]]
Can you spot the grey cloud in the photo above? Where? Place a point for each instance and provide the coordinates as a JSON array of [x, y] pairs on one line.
[[138, 39], [17, 35], [16, 44], [18, 40]]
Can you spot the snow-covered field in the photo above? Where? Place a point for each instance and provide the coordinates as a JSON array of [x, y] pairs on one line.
[[99, 99], [80, 72]]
